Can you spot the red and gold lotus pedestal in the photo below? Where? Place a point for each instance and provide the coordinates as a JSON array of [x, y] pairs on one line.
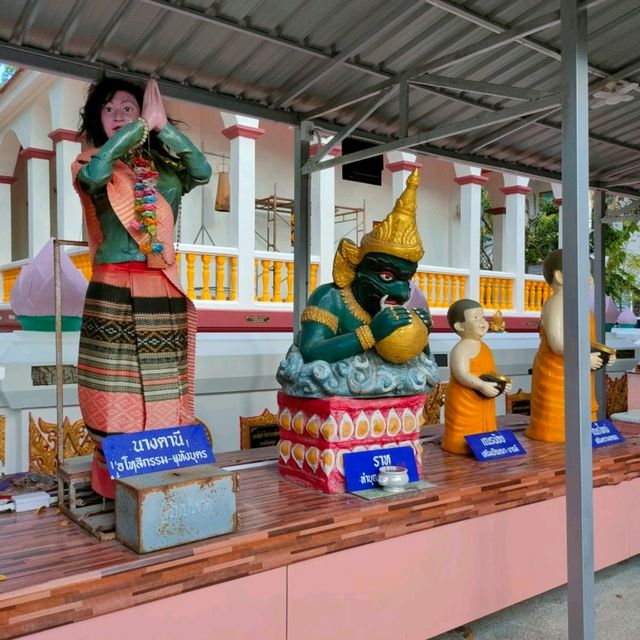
[[315, 433]]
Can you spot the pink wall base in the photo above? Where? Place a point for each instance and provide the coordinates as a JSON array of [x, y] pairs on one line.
[[422, 584], [633, 390], [413, 587], [243, 609]]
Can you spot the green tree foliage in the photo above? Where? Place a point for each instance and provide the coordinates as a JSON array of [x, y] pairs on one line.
[[486, 232], [541, 234], [622, 266]]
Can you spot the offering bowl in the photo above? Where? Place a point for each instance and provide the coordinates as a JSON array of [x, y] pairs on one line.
[[604, 351], [393, 478], [496, 378]]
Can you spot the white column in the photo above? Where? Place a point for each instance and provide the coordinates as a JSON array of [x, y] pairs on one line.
[[323, 203], [242, 133], [557, 199], [39, 216], [512, 231], [466, 238], [69, 210], [401, 164], [5, 217]]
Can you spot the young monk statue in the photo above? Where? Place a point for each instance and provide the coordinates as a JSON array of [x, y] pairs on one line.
[[469, 401], [547, 379]]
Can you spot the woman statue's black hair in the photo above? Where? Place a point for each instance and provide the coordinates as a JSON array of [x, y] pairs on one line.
[[99, 94]]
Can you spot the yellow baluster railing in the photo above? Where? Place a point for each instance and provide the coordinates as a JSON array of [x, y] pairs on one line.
[[462, 281], [421, 280], [233, 295], [483, 290], [431, 293], [536, 293], [206, 274], [82, 261], [277, 284], [289, 282], [440, 289], [9, 277], [220, 263], [502, 287], [313, 277], [255, 278], [496, 293], [266, 272], [191, 274]]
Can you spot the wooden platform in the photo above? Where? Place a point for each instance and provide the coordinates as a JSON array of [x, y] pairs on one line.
[[57, 573]]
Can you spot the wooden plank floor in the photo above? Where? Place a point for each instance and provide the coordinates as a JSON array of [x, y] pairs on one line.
[[57, 573]]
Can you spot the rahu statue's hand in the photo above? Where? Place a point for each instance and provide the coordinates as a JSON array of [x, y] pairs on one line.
[[388, 319], [424, 315]]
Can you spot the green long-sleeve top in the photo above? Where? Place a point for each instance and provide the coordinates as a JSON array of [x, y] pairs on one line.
[[175, 179]]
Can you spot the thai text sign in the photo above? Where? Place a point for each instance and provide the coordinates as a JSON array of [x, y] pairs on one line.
[[361, 467], [493, 445], [603, 433], [132, 454]]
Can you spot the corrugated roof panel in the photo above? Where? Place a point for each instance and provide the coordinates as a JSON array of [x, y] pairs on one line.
[[289, 54]]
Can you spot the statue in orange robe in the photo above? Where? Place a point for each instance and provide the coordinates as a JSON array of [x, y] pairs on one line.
[[469, 400], [547, 380], [547, 392]]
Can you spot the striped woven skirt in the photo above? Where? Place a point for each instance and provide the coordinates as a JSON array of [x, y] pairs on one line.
[[136, 359]]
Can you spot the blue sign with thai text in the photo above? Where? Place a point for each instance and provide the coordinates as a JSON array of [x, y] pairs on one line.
[[603, 433], [493, 445], [131, 454], [361, 467]]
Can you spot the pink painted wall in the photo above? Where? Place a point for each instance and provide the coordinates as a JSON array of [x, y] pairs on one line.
[[428, 582], [246, 609], [411, 587]]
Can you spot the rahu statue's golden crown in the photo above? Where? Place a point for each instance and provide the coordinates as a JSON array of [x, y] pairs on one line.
[[397, 235]]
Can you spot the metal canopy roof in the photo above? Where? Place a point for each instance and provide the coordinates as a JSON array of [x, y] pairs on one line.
[[471, 80]]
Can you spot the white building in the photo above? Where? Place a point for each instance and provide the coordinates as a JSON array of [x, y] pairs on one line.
[[243, 284]]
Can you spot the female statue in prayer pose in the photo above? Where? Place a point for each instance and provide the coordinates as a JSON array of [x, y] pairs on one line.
[[137, 342]]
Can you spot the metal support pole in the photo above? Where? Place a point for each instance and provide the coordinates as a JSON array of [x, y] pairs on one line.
[[598, 296], [575, 267], [57, 287], [301, 226]]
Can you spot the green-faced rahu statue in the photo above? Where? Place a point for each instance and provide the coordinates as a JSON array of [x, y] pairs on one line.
[[357, 339], [356, 376]]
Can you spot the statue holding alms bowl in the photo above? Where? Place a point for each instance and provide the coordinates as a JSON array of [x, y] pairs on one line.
[[547, 422], [474, 382]]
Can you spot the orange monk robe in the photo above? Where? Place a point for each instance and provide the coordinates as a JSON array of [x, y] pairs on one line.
[[547, 392], [466, 411]]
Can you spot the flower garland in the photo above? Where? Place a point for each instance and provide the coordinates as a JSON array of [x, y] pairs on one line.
[[146, 203]]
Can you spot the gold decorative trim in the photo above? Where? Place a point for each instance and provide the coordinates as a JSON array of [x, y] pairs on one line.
[[316, 314], [3, 440], [365, 337], [43, 443], [248, 423], [344, 263], [354, 306]]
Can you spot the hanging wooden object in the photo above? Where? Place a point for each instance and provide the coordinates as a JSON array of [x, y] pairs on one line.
[[224, 190]]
